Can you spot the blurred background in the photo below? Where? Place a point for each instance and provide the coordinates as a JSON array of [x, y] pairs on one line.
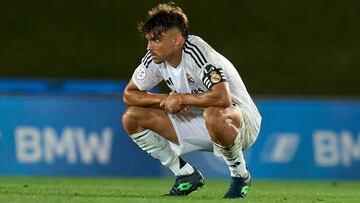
[[64, 64]]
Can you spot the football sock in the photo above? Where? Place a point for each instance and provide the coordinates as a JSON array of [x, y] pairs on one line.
[[159, 148], [234, 158]]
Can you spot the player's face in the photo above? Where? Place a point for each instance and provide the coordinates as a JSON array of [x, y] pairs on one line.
[[161, 46]]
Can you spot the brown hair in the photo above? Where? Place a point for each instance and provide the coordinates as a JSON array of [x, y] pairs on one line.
[[163, 17]]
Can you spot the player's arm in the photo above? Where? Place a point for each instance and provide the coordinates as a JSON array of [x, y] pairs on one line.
[[218, 96], [135, 97]]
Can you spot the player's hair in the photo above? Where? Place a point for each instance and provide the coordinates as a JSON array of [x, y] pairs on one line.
[[163, 17]]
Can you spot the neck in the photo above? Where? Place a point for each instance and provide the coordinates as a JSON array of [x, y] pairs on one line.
[[175, 59]]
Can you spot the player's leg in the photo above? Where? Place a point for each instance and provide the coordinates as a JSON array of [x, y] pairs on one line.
[[225, 127], [138, 119], [151, 129]]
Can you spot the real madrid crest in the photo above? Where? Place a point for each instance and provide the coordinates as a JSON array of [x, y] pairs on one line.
[[190, 79], [215, 77]]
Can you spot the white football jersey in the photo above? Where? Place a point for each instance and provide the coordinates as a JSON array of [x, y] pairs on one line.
[[200, 69]]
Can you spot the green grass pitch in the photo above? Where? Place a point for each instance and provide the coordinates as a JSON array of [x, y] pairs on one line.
[[41, 189]]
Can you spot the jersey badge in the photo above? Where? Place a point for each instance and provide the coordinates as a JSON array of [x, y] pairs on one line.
[[141, 73], [215, 77], [190, 79]]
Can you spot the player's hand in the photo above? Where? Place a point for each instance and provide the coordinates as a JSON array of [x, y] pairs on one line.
[[185, 108], [173, 103]]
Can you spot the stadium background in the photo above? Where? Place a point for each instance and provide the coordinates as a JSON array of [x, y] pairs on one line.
[[63, 66], [280, 48]]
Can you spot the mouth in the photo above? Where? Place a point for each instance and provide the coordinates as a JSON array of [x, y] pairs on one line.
[[154, 56]]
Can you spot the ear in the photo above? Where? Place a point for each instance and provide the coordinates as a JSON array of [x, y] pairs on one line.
[[179, 40]]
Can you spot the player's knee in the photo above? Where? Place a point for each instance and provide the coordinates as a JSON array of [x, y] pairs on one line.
[[214, 117], [130, 118]]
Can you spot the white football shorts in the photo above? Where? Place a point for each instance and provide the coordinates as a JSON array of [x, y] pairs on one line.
[[193, 135]]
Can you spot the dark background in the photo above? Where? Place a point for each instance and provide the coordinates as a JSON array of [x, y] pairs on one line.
[[286, 47]]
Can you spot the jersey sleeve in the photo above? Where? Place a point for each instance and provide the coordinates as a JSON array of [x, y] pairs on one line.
[[146, 75], [207, 60]]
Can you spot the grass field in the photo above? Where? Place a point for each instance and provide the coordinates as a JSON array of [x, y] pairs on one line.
[[27, 189]]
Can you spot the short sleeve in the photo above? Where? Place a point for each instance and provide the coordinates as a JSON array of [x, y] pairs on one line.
[[207, 59], [145, 78]]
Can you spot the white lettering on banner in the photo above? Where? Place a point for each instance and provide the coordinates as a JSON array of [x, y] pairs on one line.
[[28, 146], [280, 147], [326, 153], [332, 149], [54, 147], [94, 146], [34, 145], [350, 150]]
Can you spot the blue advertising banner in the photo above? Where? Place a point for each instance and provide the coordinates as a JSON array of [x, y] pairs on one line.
[[81, 135], [58, 135], [308, 139]]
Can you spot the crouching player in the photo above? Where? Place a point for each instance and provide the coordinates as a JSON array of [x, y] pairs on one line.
[[208, 109]]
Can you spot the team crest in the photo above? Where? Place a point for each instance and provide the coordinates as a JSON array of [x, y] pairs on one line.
[[215, 77], [190, 79]]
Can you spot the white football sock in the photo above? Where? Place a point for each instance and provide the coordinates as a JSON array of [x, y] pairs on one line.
[[159, 148], [234, 158], [181, 168]]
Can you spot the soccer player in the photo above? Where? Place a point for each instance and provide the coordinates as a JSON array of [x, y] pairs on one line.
[[208, 109]]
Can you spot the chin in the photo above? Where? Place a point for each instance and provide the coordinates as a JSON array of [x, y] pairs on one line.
[[158, 61]]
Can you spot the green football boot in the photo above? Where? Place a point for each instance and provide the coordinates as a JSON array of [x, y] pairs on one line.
[[186, 184], [239, 187]]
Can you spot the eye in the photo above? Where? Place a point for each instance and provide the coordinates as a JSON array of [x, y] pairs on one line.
[[157, 40]]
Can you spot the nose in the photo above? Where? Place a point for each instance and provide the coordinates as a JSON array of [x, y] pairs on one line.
[[149, 46]]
